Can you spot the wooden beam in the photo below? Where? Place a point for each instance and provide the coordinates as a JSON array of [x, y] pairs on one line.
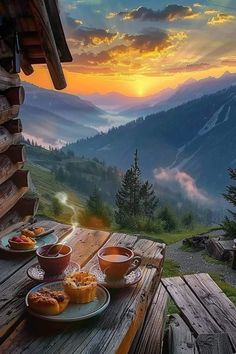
[[7, 139], [11, 161], [39, 12]]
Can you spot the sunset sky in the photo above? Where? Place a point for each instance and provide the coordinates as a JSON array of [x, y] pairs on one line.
[[140, 47]]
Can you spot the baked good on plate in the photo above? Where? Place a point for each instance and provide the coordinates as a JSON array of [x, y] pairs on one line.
[[38, 230], [21, 243], [28, 233], [48, 302], [81, 287]]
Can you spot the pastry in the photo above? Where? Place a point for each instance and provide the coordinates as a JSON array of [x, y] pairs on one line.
[[21, 243], [38, 230], [48, 302], [28, 233], [81, 287]]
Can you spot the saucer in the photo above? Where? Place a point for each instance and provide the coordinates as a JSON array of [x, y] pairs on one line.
[[35, 272], [132, 278]]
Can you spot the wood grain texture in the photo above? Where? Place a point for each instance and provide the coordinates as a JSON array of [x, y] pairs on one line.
[[48, 44], [215, 301], [192, 310], [14, 287], [181, 339], [214, 344], [103, 334], [151, 336]]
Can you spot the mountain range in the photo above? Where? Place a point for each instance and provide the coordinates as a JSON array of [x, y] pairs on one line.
[[189, 90], [54, 118], [192, 145]]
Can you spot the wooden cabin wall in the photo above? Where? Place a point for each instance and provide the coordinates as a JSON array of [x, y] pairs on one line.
[[15, 209]]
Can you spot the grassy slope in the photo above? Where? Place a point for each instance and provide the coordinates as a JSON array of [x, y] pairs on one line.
[[46, 187]]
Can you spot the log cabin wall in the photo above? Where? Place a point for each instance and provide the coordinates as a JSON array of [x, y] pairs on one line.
[[30, 33]]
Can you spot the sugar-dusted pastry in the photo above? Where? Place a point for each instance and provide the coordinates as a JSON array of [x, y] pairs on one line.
[[28, 233], [81, 287], [21, 243], [48, 302]]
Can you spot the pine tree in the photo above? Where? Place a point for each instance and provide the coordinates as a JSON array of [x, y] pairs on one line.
[[229, 224], [148, 199], [168, 217], [134, 200]]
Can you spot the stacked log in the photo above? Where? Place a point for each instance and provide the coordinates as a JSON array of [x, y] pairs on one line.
[[15, 209]]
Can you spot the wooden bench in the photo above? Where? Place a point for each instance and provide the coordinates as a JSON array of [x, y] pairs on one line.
[[208, 318]]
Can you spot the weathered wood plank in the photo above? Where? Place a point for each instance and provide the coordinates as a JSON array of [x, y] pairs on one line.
[[106, 333], [22, 213], [181, 339], [214, 344], [215, 301], [151, 336], [7, 139], [193, 312], [15, 287], [48, 43]]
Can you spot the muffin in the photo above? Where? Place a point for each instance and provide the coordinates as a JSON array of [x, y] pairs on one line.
[[48, 302], [81, 287], [21, 243]]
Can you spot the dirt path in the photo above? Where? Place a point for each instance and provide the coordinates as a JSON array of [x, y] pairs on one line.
[[193, 262]]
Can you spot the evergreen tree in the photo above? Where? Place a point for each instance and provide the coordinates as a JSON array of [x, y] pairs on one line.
[[134, 200], [229, 224], [148, 199]]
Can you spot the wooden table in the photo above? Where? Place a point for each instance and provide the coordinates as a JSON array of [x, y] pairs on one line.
[[111, 332]]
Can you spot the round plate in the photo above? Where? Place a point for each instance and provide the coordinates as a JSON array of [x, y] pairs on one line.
[[73, 312], [132, 278], [35, 272], [45, 240]]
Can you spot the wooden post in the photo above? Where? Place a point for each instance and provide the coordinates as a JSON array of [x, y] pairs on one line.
[[48, 43]]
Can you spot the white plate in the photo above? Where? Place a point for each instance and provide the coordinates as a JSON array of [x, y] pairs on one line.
[[73, 312], [42, 241]]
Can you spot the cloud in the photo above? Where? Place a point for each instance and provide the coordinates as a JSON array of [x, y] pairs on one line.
[[86, 36], [183, 181], [229, 61], [130, 55], [220, 19], [189, 68], [169, 13]]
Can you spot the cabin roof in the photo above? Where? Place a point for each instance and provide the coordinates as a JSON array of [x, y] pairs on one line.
[[40, 33]]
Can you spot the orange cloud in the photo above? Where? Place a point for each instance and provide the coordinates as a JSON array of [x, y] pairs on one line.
[[220, 19]]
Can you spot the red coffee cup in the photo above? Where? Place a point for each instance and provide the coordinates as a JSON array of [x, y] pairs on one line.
[[54, 259]]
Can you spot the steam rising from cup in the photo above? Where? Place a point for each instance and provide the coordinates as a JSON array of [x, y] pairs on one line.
[[63, 199]]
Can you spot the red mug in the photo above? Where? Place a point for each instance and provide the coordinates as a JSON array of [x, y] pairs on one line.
[[54, 259], [116, 262]]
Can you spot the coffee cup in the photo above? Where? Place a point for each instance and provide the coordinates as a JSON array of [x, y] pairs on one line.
[[116, 262], [54, 259]]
